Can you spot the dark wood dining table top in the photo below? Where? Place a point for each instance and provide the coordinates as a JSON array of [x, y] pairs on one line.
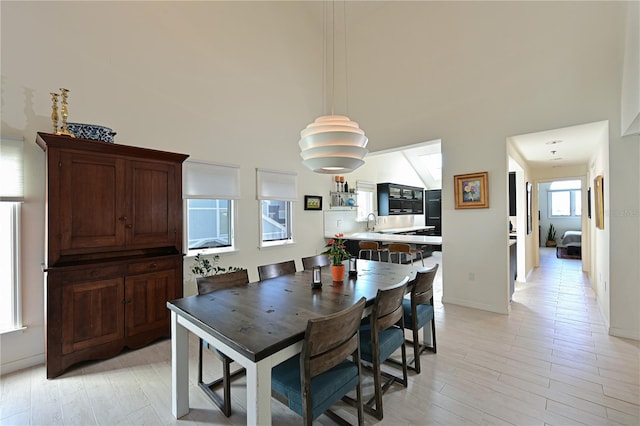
[[261, 318]]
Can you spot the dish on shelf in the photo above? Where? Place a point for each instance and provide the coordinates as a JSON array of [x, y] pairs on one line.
[[91, 131]]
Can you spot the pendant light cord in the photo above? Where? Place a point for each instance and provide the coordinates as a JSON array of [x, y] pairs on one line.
[[333, 55], [346, 71]]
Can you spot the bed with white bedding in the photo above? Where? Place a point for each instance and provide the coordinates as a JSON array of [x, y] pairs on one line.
[[570, 245]]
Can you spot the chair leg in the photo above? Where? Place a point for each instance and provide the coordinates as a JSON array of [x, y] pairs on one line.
[[224, 402], [377, 397], [433, 333], [416, 351]]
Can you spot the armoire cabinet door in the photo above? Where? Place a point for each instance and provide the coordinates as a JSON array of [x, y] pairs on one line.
[[92, 314], [92, 202], [146, 298], [153, 196]]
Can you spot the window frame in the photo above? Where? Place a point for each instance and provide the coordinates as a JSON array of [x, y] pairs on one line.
[[289, 220], [573, 194], [212, 250], [15, 283]]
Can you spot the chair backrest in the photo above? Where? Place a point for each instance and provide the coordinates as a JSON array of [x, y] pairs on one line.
[[317, 260], [276, 269], [387, 308], [329, 340], [399, 248], [422, 290], [220, 281], [368, 245]]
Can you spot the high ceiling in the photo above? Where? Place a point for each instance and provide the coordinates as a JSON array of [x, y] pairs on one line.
[[569, 146]]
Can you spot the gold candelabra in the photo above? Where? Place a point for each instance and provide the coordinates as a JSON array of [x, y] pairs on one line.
[[54, 113], [64, 111]]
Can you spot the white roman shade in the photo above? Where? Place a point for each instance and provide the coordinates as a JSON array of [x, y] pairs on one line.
[[362, 185], [210, 180], [277, 185], [11, 170]]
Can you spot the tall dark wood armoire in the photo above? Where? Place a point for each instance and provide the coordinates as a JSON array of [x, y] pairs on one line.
[[113, 247]]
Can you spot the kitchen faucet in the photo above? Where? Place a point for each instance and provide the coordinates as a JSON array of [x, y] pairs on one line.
[[375, 222]]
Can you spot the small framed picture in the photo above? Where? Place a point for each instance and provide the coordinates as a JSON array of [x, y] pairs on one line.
[[472, 190], [313, 202]]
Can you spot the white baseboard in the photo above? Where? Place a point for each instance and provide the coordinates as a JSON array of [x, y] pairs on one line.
[[21, 364], [475, 305], [625, 333]]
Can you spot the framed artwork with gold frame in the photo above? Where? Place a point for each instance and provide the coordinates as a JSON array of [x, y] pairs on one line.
[[472, 190], [598, 185]]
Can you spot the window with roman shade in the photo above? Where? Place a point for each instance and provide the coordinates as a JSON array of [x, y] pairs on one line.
[[11, 198], [276, 191], [210, 191]]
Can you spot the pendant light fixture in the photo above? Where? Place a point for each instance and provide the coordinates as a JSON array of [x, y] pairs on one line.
[[333, 144]]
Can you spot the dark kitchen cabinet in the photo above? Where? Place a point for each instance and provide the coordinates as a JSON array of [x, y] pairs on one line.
[[113, 247], [395, 199], [433, 210]]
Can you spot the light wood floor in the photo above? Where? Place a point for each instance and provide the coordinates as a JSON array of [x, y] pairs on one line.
[[549, 362]]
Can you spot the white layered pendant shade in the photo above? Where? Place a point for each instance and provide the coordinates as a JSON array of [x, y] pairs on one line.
[[333, 144]]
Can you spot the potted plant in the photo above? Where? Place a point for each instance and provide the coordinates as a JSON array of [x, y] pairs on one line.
[[337, 253], [551, 236]]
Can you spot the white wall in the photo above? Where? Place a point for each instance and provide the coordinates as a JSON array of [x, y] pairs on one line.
[[630, 114], [236, 82]]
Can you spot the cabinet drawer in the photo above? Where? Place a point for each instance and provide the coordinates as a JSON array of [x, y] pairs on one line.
[[93, 273], [150, 266]]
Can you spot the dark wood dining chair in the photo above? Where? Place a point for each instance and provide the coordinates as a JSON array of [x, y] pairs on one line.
[[327, 368], [276, 269], [418, 311], [380, 337], [207, 285], [317, 260]]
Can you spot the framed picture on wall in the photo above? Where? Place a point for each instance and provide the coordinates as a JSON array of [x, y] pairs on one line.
[[472, 190], [313, 202], [598, 184], [589, 203]]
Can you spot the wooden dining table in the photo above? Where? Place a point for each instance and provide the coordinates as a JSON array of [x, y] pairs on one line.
[[262, 324]]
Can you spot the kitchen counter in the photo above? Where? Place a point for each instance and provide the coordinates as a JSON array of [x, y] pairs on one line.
[[392, 238], [406, 229]]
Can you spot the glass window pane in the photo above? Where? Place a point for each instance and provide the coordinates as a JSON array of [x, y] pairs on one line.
[[8, 283], [209, 223], [364, 201], [560, 203], [276, 220], [577, 205]]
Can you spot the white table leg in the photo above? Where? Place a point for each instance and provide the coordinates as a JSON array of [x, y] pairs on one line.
[[259, 393], [179, 368]]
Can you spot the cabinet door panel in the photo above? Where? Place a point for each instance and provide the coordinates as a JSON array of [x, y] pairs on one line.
[[91, 202], [92, 314], [148, 295], [153, 196]]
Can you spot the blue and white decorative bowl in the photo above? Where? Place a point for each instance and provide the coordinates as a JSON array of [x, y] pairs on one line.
[[91, 131]]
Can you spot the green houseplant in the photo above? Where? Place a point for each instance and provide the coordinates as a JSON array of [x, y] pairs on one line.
[[337, 253], [551, 236]]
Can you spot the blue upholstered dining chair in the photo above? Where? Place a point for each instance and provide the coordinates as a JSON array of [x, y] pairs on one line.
[[380, 337], [418, 311], [310, 383]]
